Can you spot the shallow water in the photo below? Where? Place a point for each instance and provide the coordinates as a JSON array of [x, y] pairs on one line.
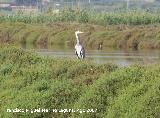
[[117, 56]]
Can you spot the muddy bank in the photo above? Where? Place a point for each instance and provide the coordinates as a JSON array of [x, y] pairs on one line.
[[118, 36]]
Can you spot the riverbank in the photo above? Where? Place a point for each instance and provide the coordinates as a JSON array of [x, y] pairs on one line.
[[30, 81], [95, 36]]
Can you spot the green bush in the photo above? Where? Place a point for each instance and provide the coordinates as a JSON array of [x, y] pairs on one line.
[[29, 81], [129, 17]]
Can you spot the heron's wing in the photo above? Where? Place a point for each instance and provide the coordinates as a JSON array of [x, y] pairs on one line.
[[82, 52]]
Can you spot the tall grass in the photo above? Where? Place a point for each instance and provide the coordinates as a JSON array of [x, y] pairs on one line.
[[29, 81], [131, 17]]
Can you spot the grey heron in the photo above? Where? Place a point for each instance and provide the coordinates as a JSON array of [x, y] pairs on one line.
[[79, 49]]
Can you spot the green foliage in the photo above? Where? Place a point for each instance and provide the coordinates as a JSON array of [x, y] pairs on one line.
[[29, 81], [68, 15], [129, 17], [129, 92], [83, 16]]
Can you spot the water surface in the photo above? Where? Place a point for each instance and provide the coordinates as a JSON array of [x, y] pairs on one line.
[[122, 57]]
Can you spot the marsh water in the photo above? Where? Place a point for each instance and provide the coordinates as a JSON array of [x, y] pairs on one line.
[[122, 57]]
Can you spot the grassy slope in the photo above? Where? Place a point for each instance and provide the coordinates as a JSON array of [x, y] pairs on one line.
[[31, 81], [138, 37]]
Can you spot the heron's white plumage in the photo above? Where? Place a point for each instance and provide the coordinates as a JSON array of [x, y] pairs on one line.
[[79, 50]]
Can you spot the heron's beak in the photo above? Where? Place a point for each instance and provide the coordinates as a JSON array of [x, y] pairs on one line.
[[81, 32]]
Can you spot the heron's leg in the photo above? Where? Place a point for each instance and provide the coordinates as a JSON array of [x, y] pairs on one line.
[[82, 53], [77, 54]]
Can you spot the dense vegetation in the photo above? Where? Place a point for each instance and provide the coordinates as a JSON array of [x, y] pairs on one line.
[[29, 81], [122, 29], [49, 35], [129, 17]]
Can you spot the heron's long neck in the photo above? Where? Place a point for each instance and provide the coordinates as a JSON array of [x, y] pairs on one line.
[[77, 37]]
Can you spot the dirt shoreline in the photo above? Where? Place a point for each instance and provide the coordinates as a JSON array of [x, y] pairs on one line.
[[118, 36]]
